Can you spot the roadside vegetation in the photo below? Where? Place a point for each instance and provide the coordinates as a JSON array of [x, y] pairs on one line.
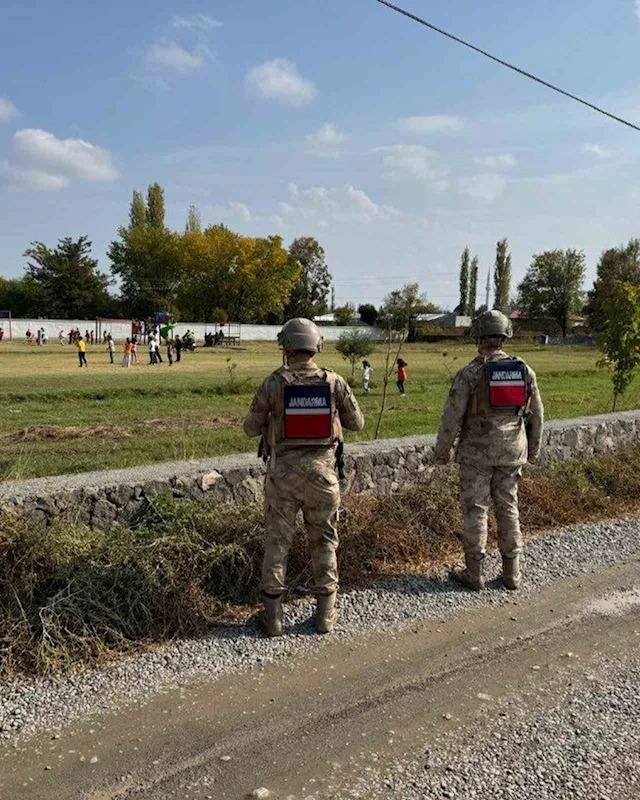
[[71, 596], [58, 419]]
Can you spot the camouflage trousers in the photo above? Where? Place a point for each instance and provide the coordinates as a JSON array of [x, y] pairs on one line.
[[478, 487], [307, 483]]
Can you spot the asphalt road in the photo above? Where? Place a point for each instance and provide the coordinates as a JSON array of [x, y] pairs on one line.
[[310, 727]]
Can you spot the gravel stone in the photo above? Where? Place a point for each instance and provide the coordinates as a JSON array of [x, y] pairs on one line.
[[586, 746], [32, 706]]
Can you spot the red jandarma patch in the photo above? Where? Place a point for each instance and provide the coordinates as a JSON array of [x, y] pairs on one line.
[[307, 412], [507, 384]]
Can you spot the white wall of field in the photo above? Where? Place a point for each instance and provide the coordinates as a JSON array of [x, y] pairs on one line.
[[120, 330]]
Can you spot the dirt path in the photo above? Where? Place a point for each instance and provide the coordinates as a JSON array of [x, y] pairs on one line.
[[313, 724]]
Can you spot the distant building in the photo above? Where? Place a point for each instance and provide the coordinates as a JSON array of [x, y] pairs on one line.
[[448, 319]]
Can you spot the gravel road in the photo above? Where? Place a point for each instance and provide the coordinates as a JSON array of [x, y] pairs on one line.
[[28, 707], [587, 746]]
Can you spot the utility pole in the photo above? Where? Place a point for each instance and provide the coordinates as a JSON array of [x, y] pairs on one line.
[[488, 288]]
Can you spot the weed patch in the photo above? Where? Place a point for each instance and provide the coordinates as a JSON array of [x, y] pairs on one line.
[[73, 596]]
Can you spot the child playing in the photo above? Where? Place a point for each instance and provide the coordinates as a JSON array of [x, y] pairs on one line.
[[134, 350], [126, 358], [82, 352], [169, 344], [402, 374], [366, 376], [111, 347]]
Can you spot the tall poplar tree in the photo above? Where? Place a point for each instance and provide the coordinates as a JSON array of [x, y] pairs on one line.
[[464, 280], [155, 206], [194, 222], [137, 211], [502, 276], [473, 288]]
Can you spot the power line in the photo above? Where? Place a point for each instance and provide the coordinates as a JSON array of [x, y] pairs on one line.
[[508, 65]]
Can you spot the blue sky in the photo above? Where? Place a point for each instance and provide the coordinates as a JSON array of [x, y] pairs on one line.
[[337, 119]]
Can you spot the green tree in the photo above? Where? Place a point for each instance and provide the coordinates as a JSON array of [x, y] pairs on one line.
[[552, 286], [68, 282], [502, 276], [311, 290], [473, 288], [616, 264], [155, 206], [20, 296], [194, 222], [401, 308], [620, 337], [368, 313], [148, 262], [344, 314], [465, 263], [219, 315], [353, 346], [137, 211], [147, 256]]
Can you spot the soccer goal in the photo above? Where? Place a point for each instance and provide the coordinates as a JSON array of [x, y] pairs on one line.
[[5, 325], [118, 328]]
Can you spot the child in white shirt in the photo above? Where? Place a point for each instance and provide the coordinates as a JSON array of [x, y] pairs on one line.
[[366, 376]]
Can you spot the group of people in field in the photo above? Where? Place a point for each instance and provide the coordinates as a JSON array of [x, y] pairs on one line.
[[39, 338], [173, 347], [401, 366]]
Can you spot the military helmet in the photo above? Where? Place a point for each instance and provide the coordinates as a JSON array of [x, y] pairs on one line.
[[493, 323], [299, 334]]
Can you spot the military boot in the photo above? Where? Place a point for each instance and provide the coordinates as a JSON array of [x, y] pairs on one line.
[[326, 613], [470, 577], [271, 617], [511, 574]]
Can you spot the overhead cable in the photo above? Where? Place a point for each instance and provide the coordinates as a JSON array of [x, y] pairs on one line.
[[508, 65]]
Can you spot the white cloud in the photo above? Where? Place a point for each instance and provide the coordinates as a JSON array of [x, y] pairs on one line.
[[321, 206], [16, 177], [496, 162], [596, 149], [198, 22], [241, 209], [326, 136], [487, 187], [414, 162], [280, 80], [7, 110], [41, 162], [168, 55], [326, 141], [436, 123]]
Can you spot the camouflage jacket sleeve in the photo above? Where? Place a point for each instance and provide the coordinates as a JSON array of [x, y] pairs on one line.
[[454, 412], [351, 417], [535, 420], [258, 417]]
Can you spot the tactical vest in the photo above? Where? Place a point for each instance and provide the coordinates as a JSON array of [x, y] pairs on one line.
[[502, 388], [305, 414]]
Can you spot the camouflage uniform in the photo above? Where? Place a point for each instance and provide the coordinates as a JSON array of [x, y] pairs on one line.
[[491, 451], [301, 478]]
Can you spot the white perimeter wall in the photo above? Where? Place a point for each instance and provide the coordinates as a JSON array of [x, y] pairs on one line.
[[120, 331]]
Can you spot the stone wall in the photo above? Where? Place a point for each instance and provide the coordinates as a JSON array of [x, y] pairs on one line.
[[100, 498]]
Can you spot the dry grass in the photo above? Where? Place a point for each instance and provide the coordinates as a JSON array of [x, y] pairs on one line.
[[45, 433], [73, 596]]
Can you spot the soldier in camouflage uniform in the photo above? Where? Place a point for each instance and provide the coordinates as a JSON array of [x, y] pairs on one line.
[[495, 441], [300, 411]]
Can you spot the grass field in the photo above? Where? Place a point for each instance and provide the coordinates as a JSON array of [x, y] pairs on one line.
[[57, 418]]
